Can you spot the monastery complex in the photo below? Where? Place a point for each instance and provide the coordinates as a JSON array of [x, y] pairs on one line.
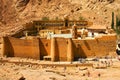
[[60, 41]]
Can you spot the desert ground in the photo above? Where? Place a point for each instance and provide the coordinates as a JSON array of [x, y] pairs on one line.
[[29, 69], [14, 14]]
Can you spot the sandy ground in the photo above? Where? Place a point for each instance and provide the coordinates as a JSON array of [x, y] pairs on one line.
[[11, 71]]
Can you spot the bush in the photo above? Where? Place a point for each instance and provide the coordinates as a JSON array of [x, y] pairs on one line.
[[81, 18], [45, 18]]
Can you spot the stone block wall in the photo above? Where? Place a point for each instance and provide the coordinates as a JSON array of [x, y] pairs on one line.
[[99, 47], [21, 48], [45, 47], [60, 49]]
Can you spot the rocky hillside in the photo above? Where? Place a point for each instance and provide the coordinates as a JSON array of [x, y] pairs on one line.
[[13, 13]]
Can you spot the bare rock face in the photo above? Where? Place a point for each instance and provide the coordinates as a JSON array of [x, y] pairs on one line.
[[0, 13], [21, 11], [21, 4], [110, 1]]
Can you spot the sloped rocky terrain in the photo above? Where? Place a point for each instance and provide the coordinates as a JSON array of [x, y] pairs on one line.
[[14, 13]]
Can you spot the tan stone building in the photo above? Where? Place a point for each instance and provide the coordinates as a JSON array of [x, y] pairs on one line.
[[61, 47]]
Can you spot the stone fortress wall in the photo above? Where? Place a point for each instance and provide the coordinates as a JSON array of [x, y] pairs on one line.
[[60, 49], [14, 47]]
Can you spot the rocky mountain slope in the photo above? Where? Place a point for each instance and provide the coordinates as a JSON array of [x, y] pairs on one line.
[[14, 13]]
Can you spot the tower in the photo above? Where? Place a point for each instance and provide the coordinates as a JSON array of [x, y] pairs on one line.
[[74, 31], [53, 47]]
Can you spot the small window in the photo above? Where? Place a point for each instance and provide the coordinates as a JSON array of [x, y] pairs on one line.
[[46, 44], [78, 45], [67, 42]]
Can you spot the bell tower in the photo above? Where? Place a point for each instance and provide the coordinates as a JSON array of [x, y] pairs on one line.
[[74, 31]]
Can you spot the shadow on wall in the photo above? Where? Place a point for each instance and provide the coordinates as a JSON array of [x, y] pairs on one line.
[[57, 50], [9, 51], [43, 51], [78, 51]]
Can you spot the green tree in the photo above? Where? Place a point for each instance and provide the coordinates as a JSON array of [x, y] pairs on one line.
[[56, 18], [45, 18], [112, 23], [116, 22], [81, 18], [117, 25]]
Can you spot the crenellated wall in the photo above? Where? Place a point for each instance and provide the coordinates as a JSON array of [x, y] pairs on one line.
[[60, 49]]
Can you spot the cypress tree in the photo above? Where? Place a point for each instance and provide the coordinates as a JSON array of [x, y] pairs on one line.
[[117, 24], [112, 23]]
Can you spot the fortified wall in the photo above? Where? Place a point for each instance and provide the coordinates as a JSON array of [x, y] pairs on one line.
[[60, 49], [99, 47], [14, 47]]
